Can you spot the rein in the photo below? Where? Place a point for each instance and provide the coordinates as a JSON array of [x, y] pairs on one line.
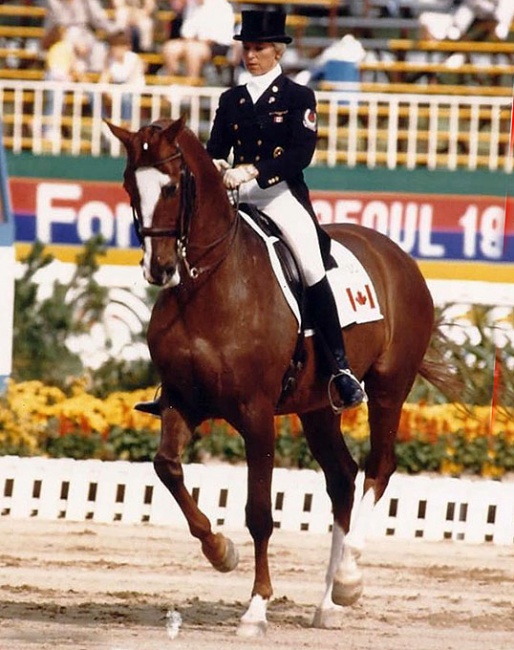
[[187, 209]]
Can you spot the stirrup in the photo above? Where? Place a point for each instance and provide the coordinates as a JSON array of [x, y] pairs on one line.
[[359, 396]]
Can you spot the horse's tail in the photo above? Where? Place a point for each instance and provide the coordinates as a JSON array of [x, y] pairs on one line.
[[438, 371]]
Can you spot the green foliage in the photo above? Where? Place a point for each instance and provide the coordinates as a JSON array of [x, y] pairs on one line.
[[120, 444], [478, 360], [42, 326], [120, 374]]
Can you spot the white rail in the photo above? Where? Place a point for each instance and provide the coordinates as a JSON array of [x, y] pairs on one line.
[[431, 508], [373, 129]]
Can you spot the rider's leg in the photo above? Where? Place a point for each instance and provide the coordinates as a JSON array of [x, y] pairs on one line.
[[321, 303], [299, 230]]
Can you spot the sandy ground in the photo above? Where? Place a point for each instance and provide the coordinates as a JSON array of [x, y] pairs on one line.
[[86, 586]]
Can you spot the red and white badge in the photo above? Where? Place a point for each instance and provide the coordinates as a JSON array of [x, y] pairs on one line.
[[310, 119]]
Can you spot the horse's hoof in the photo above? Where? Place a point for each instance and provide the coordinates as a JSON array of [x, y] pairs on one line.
[[252, 629], [328, 619], [347, 590], [230, 559]]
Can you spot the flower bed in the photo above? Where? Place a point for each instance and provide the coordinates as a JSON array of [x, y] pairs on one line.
[[36, 419]]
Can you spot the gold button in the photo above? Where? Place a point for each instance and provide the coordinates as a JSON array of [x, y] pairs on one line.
[[236, 126], [238, 142], [241, 158], [259, 142], [257, 158]]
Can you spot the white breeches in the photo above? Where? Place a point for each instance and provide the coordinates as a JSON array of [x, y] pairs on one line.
[[294, 221]]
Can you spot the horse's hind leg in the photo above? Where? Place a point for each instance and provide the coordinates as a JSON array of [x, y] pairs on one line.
[[384, 411], [343, 577], [176, 432]]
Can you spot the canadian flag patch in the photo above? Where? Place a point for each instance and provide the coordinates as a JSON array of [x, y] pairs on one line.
[[310, 119]]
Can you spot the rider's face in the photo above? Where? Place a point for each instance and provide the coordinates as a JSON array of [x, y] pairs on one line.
[[259, 58]]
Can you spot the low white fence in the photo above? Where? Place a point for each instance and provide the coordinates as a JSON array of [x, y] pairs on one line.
[[431, 508]]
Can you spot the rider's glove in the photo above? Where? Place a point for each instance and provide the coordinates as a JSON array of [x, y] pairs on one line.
[[221, 165], [242, 174]]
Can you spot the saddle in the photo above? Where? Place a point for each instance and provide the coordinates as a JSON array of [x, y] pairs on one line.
[[292, 274]]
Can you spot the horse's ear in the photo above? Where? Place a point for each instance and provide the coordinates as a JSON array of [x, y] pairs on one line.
[[123, 135], [174, 129]]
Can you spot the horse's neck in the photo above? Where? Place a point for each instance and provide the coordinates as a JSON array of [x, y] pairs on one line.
[[211, 195]]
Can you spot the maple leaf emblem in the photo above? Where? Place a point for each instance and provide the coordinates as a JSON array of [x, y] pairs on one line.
[[361, 298]]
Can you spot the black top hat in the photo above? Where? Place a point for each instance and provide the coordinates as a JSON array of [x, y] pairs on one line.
[[263, 26]]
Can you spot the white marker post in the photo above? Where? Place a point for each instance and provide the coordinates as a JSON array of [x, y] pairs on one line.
[[7, 265]]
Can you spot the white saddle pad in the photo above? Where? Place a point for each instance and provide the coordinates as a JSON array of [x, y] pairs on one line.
[[353, 290]]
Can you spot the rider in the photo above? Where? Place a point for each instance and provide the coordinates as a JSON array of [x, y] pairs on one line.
[[269, 124]]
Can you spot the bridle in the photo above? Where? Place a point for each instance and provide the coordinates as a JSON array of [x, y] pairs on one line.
[[187, 208], [143, 231]]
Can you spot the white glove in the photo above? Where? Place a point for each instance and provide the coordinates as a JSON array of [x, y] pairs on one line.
[[242, 174], [221, 165]]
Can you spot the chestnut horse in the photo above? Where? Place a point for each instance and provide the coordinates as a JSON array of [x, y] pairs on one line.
[[222, 337]]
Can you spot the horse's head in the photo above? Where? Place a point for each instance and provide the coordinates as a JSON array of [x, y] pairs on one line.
[[160, 187]]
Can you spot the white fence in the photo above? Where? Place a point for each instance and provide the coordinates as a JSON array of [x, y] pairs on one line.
[[431, 508], [373, 129]]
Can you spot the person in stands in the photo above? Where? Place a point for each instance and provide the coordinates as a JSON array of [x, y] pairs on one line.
[[269, 125], [456, 24], [207, 30], [61, 65], [137, 18], [123, 66], [80, 19]]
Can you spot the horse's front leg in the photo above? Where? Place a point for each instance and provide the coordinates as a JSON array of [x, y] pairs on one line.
[[175, 434], [260, 449]]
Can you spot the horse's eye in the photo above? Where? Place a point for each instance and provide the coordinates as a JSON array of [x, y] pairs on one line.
[[168, 190]]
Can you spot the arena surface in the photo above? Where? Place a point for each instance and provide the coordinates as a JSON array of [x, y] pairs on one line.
[[99, 587]]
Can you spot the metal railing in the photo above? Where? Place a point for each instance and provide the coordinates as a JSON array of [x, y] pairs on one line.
[[355, 128]]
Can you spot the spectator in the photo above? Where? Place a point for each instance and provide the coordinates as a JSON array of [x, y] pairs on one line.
[[80, 18], [206, 32], [457, 23], [499, 11], [61, 65], [178, 8], [137, 18], [339, 63], [123, 66]]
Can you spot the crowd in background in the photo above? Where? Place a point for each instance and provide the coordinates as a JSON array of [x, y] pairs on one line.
[[107, 39], [78, 32]]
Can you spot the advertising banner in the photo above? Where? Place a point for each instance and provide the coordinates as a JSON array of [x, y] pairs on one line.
[[464, 234]]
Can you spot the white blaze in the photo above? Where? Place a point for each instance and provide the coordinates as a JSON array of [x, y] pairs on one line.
[[150, 182]]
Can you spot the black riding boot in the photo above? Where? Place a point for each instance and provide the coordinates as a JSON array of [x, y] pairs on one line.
[[322, 306]]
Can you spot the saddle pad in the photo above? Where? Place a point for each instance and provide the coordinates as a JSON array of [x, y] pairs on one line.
[[353, 290], [352, 287]]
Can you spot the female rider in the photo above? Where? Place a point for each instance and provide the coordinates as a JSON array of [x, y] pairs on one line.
[[269, 124]]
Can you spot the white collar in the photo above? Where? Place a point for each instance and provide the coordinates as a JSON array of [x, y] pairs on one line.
[[258, 84]]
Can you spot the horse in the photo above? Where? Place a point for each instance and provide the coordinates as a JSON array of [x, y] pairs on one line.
[[222, 337]]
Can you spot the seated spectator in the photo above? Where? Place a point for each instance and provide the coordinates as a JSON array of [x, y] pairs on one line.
[[178, 8], [80, 18], [122, 66], [207, 31], [339, 63], [137, 18], [456, 24], [61, 65]]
